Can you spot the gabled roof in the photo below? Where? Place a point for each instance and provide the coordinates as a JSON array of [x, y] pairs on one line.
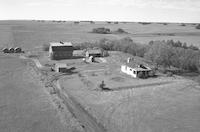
[[137, 67], [94, 51], [60, 44], [60, 65]]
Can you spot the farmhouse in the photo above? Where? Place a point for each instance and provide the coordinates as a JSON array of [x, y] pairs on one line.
[[60, 50], [93, 52], [135, 70]]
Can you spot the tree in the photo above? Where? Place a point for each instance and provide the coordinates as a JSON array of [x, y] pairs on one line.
[[160, 54], [198, 26]]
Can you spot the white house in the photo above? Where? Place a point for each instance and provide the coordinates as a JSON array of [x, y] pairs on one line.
[[134, 69]]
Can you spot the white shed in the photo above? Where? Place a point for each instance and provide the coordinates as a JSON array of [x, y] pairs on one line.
[[61, 67]]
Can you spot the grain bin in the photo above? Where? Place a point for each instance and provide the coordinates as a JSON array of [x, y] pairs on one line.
[[18, 50]]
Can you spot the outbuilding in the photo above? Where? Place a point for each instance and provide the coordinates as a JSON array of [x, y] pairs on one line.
[[93, 52], [60, 50], [61, 67]]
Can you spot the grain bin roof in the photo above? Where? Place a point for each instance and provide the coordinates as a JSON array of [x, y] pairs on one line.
[[60, 44]]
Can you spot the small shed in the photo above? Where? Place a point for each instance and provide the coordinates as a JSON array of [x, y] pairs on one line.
[[61, 67]]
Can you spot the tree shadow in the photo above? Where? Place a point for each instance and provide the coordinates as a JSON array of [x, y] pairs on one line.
[[77, 57], [69, 71]]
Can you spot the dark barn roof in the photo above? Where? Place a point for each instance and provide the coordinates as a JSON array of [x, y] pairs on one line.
[[62, 48]]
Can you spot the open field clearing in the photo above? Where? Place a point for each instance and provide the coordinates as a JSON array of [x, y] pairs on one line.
[[160, 104], [35, 98], [24, 104], [170, 107], [154, 104], [31, 34]]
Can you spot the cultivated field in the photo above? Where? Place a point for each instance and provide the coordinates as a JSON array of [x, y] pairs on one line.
[[30, 34]]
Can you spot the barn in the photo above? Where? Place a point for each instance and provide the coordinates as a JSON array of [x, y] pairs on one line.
[[136, 70], [60, 50]]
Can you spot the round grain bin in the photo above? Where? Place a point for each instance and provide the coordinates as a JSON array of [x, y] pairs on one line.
[[11, 50], [18, 50], [5, 50]]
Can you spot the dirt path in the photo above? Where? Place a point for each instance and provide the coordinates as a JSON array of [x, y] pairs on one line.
[[79, 112]]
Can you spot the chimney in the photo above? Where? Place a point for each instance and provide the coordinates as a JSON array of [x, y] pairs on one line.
[[128, 60]]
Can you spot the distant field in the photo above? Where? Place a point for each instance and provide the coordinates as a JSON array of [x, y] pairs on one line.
[[30, 34]]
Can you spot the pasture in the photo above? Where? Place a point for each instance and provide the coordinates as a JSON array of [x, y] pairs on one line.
[[159, 104], [32, 34]]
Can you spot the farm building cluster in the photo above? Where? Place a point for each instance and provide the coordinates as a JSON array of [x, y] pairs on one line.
[[64, 50]]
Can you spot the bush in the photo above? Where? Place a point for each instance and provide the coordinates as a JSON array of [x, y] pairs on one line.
[[105, 53], [141, 75], [183, 24], [198, 26], [45, 47], [169, 74], [76, 22], [151, 73], [119, 30], [144, 23], [101, 30]]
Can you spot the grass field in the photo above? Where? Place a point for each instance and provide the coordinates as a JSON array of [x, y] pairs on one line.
[[24, 104], [30, 34], [162, 104]]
